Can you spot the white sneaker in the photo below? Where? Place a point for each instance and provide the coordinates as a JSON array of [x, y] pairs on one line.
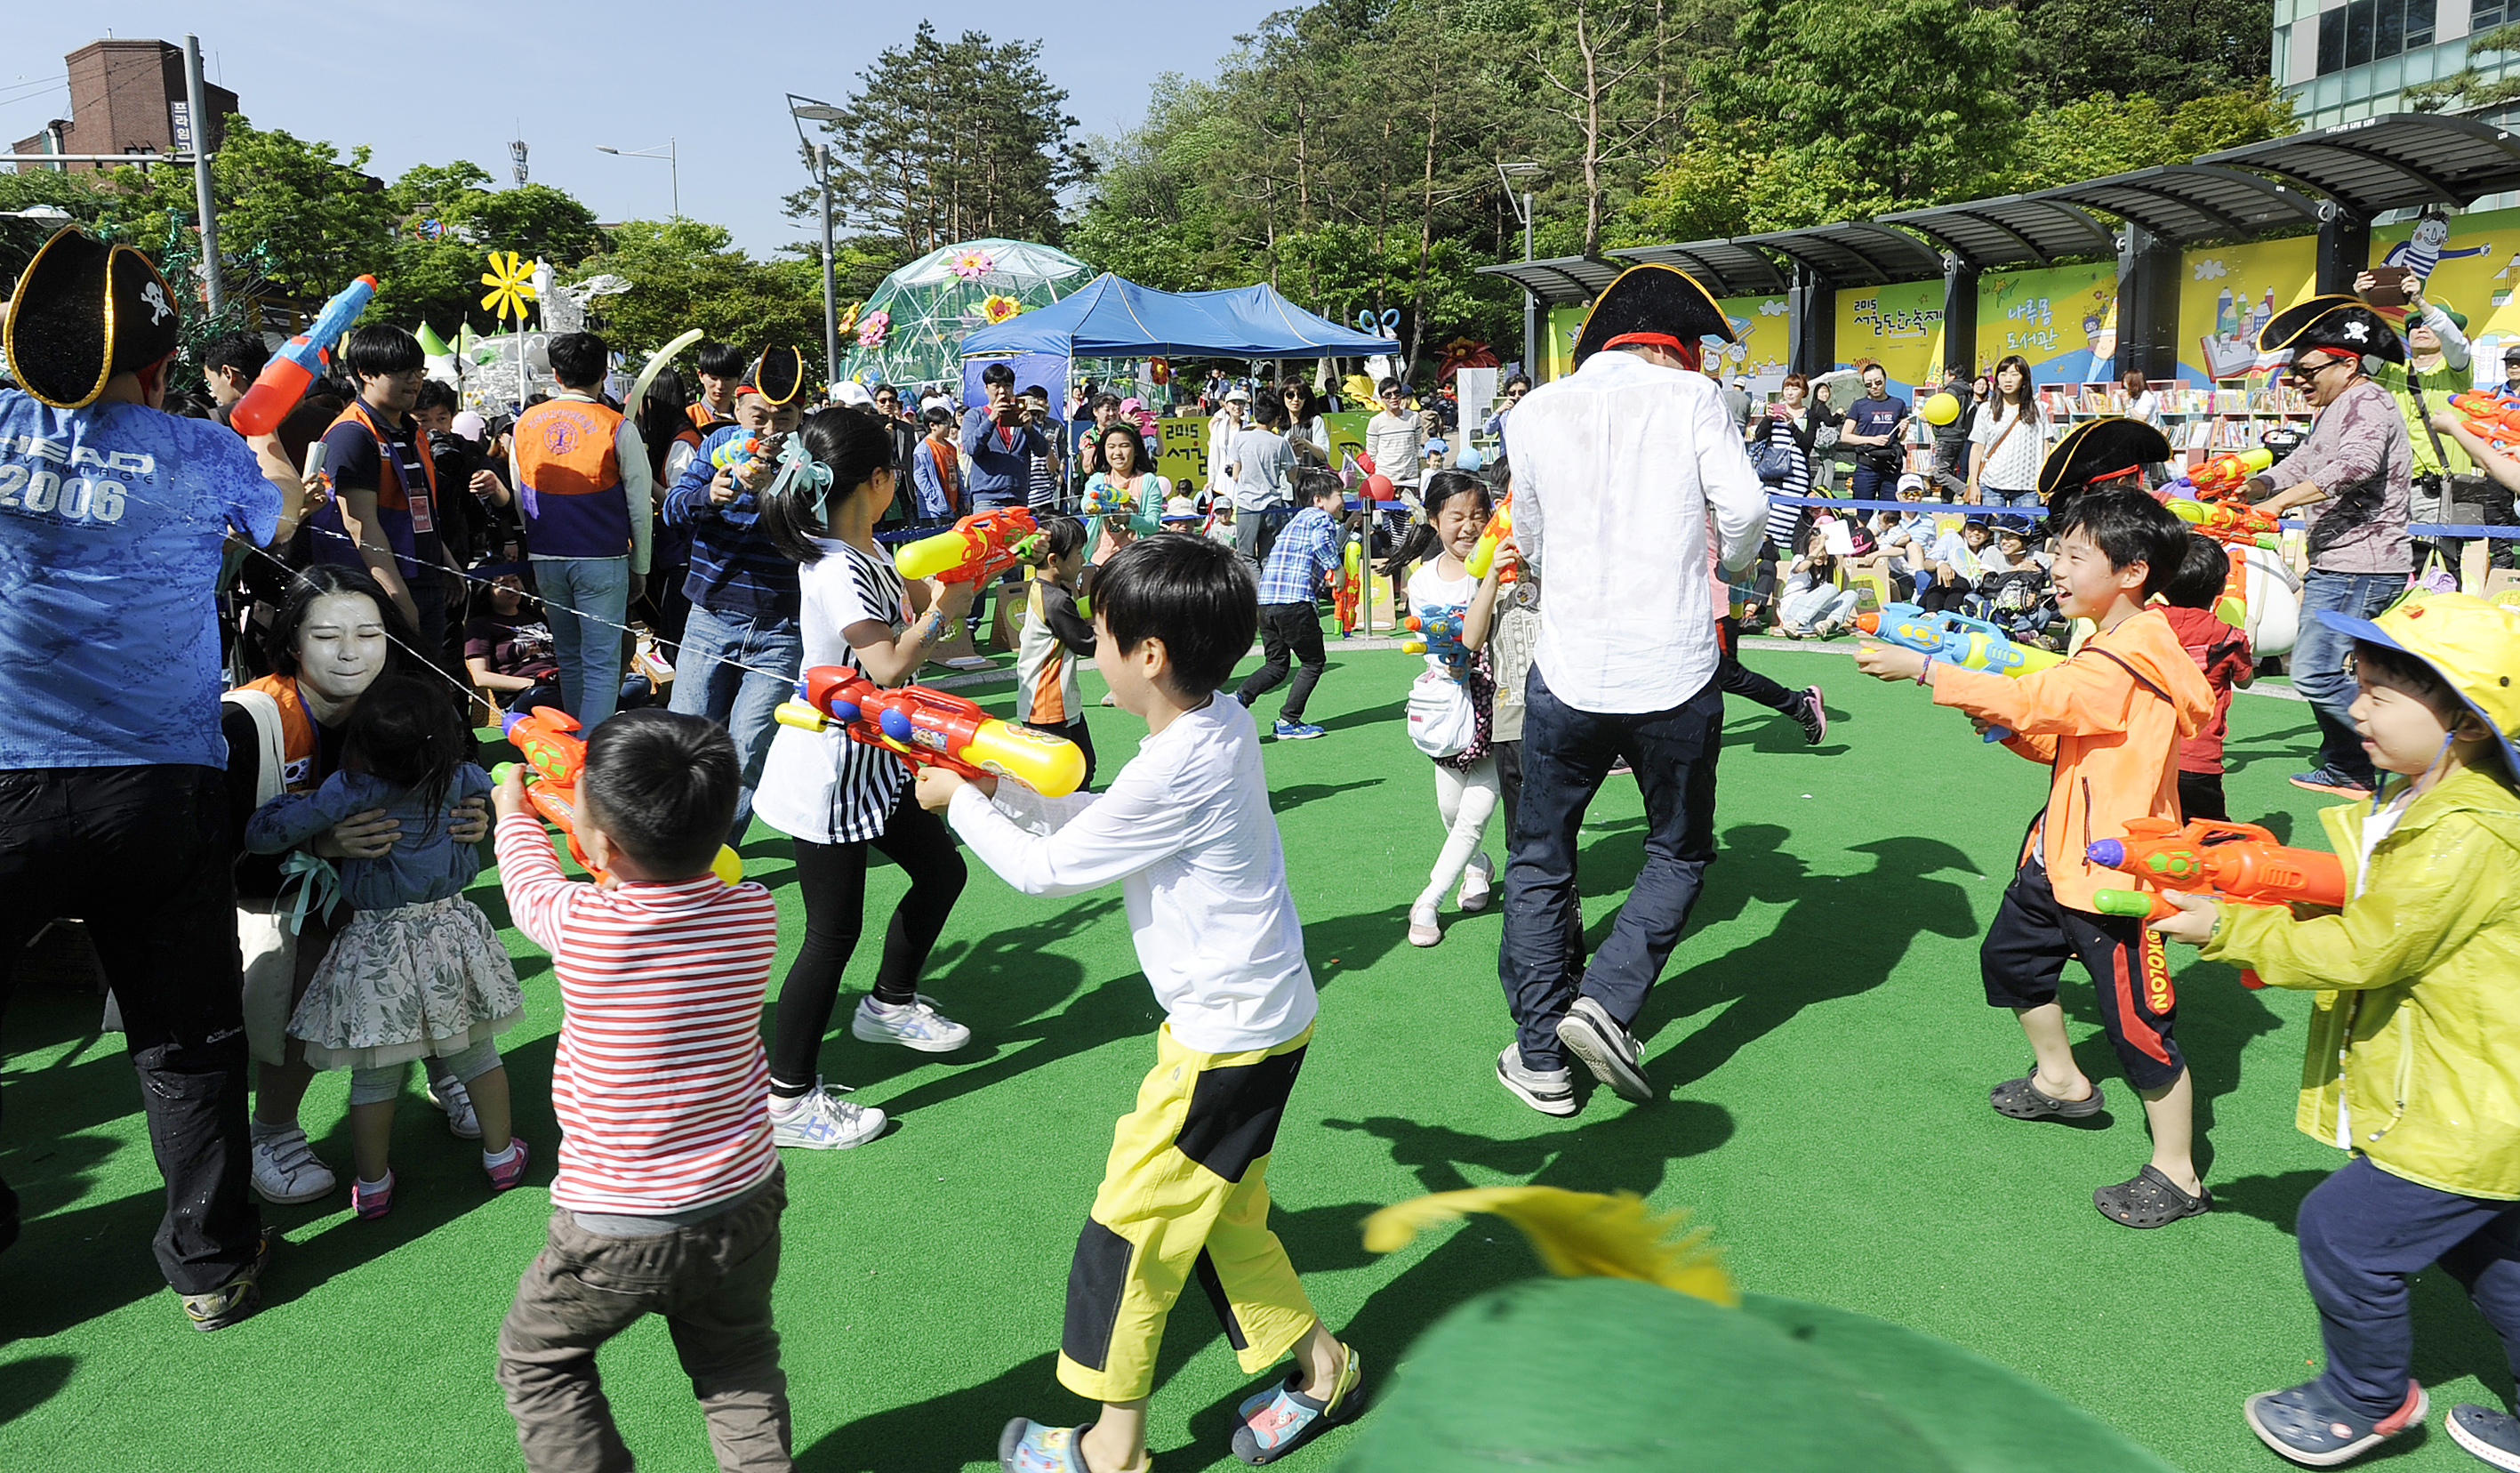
[[1478, 881], [286, 1171], [450, 1095], [818, 1120], [911, 1025], [1423, 930]]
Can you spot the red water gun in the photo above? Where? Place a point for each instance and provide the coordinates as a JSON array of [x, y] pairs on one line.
[[925, 727], [973, 550], [2494, 418], [2226, 861], [547, 739], [283, 381]]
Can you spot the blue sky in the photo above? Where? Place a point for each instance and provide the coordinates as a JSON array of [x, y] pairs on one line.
[[457, 79]]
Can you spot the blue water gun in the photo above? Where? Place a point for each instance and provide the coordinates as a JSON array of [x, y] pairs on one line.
[[283, 381], [1954, 639], [1439, 633]]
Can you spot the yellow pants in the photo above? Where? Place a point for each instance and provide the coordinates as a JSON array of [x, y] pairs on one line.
[[1186, 1193]]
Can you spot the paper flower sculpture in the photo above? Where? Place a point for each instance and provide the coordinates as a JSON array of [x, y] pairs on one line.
[[872, 328], [849, 318], [998, 309], [971, 265], [511, 284]]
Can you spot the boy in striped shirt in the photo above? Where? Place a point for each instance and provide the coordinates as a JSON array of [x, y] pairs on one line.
[[668, 1194]]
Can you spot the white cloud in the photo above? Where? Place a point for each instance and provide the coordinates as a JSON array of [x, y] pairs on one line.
[[2211, 268]]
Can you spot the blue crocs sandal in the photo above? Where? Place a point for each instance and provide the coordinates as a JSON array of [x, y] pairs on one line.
[[1028, 1447], [1281, 1420], [2492, 1436], [2306, 1426]]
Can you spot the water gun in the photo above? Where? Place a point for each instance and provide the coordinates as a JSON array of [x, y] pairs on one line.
[[1345, 604], [2494, 418], [1107, 500], [738, 452], [1439, 633], [556, 757], [2222, 476], [1500, 526], [2229, 523], [2228, 862], [973, 550], [1970, 643], [283, 381], [930, 727]]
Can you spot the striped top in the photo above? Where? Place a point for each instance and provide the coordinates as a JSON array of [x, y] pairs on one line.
[[1054, 638], [825, 787], [660, 1085], [734, 569]]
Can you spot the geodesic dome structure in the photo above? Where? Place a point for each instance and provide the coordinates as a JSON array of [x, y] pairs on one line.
[[929, 305]]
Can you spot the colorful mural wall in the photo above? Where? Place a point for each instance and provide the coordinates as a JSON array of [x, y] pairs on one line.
[[2062, 319], [2226, 292], [2474, 268], [1899, 325]]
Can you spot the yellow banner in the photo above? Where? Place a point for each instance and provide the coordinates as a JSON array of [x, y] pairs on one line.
[[1765, 345], [1899, 325], [2471, 263], [2226, 292], [1563, 324], [2062, 320], [1183, 458]]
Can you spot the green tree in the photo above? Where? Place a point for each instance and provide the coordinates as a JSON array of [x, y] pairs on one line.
[[2469, 90], [320, 217], [2109, 135], [686, 273], [2174, 50], [448, 219]]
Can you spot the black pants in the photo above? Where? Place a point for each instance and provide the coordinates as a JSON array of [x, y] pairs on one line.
[[831, 878], [1287, 630], [1508, 765], [143, 854], [1738, 679], [2024, 955], [1566, 754], [2365, 1234], [1075, 731], [1937, 597], [2200, 795]]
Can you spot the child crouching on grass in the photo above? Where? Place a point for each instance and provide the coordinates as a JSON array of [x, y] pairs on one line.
[[1185, 829], [2414, 1041]]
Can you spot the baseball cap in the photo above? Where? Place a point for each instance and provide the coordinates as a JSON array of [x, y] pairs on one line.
[[1243, 394], [1740, 381], [471, 426], [1911, 481]]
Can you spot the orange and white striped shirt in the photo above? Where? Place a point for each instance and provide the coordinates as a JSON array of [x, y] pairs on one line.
[[660, 1085]]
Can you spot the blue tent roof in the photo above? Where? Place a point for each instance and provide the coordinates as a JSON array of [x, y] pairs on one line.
[[1111, 318]]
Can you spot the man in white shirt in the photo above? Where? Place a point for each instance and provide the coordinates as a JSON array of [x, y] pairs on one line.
[[1262, 474], [1617, 469]]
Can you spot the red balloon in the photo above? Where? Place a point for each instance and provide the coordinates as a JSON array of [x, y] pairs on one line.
[[1378, 488]]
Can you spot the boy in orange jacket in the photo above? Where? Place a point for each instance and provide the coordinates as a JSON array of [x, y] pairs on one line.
[[2108, 721]]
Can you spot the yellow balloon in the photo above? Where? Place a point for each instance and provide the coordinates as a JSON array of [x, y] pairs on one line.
[[1940, 409], [727, 866]]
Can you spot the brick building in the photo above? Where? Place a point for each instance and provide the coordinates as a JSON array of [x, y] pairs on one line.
[[126, 97]]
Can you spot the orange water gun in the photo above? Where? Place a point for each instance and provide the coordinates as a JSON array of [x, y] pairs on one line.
[[2494, 418], [2227, 861], [927, 727], [2239, 528], [1346, 602], [556, 757], [1483, 552], [2222, 476], [283, 380], [973, 550]]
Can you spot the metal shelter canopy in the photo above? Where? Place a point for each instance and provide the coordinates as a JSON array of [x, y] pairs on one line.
[[1853, 254], [2185, 203], [2010, 231], [1724, 268], [1562, 281], [2395, 162]]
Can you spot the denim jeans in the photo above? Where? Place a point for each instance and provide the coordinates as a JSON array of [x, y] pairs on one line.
[[712, 680], [1990, 496], [1874, 483], [587, 600], [1814, 605], [2318, 660], [1566, 754]]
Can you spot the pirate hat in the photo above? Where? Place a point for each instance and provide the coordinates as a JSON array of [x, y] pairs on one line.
[[2335, 322], [2096, 451], [84, 312], [1654, 303], [779, 376]]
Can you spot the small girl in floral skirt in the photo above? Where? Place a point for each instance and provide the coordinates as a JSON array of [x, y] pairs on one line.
[[418, 972]]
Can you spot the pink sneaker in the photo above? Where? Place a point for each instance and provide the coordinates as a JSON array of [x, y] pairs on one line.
[[370, 1203], [504, 1177]]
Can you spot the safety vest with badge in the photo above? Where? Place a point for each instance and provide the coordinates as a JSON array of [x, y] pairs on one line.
[[402, 515], [568, 472]]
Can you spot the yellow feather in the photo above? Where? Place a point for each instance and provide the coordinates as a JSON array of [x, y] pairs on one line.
[[1577, 1236]]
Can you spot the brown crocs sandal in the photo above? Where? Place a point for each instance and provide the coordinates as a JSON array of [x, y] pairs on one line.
[[2150, 1200], [2023, 1099]]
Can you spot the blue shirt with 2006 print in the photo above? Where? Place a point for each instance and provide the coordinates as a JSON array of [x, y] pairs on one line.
[[111, 520]]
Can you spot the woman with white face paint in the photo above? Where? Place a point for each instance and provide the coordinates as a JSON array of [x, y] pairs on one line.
[[334, 636]]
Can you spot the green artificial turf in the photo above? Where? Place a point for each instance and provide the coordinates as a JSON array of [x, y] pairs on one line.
[[1821, 1031]]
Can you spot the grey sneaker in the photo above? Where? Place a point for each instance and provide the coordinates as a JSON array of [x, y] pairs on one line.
[[911, 1025], [1606, 1049], [1550, 1091], [820, 1121], [286, 1170], [462, 1122]]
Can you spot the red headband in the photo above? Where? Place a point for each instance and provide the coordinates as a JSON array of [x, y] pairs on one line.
[[1689, 353]]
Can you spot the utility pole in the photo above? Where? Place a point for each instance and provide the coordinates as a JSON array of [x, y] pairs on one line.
[[213, 291], [831, 277]]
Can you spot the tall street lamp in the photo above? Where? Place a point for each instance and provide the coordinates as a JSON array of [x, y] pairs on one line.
[[1526, 171], [806, 110], [673, 166]]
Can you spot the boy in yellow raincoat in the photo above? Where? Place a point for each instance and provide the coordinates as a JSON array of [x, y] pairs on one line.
[[2414, 1045]]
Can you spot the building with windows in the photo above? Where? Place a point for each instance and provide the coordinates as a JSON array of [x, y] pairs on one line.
[[126, 97], [2343, 61]]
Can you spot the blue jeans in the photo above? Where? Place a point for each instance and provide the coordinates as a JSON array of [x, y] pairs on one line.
[[2318, 660], [587, 599], [1874, 483], [1990, 496], [1566, 754], [711, 681]]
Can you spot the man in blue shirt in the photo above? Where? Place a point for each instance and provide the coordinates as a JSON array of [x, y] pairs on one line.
[[1308, 546], [1001, 444], [1873, 426], [112, 805]]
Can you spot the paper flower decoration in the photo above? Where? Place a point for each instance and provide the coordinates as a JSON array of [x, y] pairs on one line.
[[849, 318], [971, 265], [872, 328], [998, 309], [512, 286]]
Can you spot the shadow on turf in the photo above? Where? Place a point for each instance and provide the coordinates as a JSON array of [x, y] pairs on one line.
[[28, 1384], [1297, 795]]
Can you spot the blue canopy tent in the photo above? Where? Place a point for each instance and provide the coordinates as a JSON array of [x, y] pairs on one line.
[[1111, 318]]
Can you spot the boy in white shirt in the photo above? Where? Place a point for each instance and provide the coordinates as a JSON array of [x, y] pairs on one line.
[[1186, 830]]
